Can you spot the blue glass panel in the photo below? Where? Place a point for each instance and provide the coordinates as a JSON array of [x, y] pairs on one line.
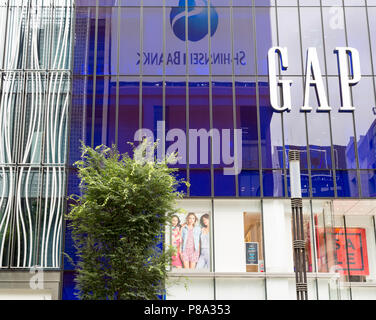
[[101, 43], [73, 189], [319, 140], [100, 98], [69, 286], [129, 111], [344, 156], [152, 101], [288, 30], [242, 3], [249, 184], [130, 44], [273, 183], [367, 148], [107, 3], [101, 3], [322, 183], [357, 34], [110, 126], [304, 180], [243, 31], [181, 174], [70, 250], [199, 118], [89, 67], [347, 183], [321, 157], [223, 119], [73, 183], [224, 186], [302, 153], [263, 36], [88, 97], [152, 34], [271, 131], [105, 112], [79, 100], [200, 181], [365, 123], [84, 41], [221, 45], [246, 109], [294, 123], [342, 131], [176, 115], [368, 183]]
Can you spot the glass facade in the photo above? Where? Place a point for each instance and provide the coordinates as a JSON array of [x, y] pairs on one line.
[[203, 65], [194, 74], [35, 64], [137, 62]]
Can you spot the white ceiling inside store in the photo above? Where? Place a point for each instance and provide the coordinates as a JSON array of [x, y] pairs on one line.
[[354, 207]]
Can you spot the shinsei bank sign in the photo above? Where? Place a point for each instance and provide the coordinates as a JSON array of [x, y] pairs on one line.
[[197, 40]]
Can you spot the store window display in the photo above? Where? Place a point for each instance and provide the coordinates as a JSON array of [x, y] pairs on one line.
[[190, 236]]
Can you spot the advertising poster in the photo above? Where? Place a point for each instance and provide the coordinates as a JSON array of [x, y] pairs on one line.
[[350, 250], [190, 236]]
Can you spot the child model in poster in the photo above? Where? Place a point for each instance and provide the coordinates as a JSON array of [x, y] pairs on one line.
[[176, 242], [204, 260], [190, 246]]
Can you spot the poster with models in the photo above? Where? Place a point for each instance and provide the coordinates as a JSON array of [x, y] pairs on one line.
[[190, 236]]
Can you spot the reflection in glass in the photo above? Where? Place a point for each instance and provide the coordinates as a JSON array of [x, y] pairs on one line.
[[347, 183], [223, 119], [129, 110], [294, 122], [271, 131], [365, 122], [357, 35], [105, 111], [249, 183], [224, 186], [273, 182], [199, 117], [345, 237], [200, 181], [342, 130], [176, 111], [246, 114], [368, 182]]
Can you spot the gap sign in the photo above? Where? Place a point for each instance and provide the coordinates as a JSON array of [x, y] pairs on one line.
[[349, 74]]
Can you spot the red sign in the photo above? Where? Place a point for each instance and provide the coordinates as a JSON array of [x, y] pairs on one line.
[[348, 249]]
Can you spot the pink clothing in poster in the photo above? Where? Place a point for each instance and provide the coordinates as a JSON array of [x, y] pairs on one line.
[[176, 241], [189, 254]]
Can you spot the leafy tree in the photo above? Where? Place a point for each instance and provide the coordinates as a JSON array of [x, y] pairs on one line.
[[119, 222]]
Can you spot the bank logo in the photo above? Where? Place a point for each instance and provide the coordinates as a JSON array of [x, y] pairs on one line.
[[198, 16]]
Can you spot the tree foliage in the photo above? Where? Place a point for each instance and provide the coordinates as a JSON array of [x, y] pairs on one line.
[[118, 225]]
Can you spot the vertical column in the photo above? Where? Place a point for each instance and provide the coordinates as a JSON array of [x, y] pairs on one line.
[[278, 249], [298, 226]]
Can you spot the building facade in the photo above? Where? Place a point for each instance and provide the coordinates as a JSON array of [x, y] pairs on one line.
[[198, 76], [35, 54]]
